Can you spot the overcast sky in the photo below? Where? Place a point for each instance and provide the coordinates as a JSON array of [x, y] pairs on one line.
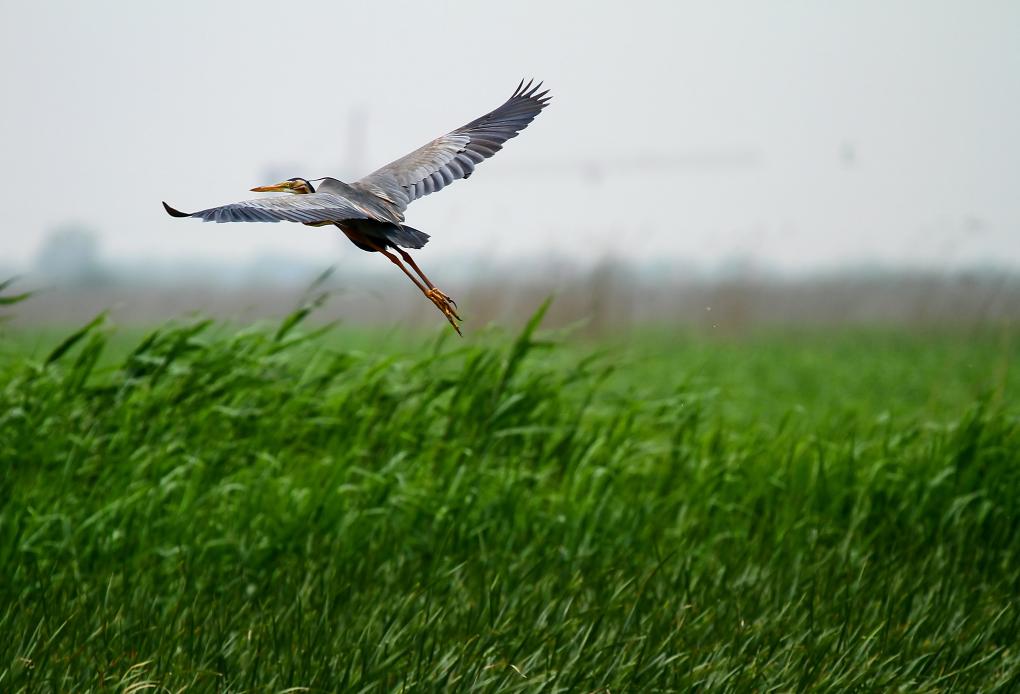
[[793, 134]]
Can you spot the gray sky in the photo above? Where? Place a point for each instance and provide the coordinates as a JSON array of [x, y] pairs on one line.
[[795, 134]]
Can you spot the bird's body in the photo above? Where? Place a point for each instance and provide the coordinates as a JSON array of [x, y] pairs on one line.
[[370, 211]]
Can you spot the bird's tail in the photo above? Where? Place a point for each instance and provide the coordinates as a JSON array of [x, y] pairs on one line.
[[405, 236]]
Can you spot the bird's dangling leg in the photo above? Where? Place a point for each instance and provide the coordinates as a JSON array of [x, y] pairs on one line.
[[441, 301], [432, 288]]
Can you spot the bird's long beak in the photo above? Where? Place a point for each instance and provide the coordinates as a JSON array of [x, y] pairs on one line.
[[284, 187]]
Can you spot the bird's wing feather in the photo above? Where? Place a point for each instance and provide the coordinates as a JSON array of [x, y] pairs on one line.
[[314, 207], [455, 155]]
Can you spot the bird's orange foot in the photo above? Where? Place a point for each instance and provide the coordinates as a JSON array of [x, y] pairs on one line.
[[437, 293], [447, 305]]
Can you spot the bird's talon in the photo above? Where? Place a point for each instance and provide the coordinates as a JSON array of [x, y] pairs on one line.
[[447, 298], [443, 296], [447, 306]]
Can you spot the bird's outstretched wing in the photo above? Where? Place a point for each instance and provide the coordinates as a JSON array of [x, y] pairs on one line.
[[455, 155], [314, 207]]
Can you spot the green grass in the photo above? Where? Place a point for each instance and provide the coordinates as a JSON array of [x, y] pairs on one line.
[[217, 509]]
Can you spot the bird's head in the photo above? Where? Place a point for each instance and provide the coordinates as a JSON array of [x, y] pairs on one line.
[[298, 186]]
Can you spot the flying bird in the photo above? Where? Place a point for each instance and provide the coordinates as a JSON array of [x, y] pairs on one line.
[[370, 211]]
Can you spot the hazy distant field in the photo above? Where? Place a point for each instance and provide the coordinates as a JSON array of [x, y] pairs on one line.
[[256, 509]]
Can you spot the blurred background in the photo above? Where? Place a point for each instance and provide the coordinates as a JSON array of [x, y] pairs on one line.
[[723, 165]]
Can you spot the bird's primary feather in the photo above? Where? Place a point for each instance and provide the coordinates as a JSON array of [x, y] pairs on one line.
[[455, 155]]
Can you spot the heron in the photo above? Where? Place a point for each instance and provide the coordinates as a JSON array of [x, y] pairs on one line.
[[370, 211]]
